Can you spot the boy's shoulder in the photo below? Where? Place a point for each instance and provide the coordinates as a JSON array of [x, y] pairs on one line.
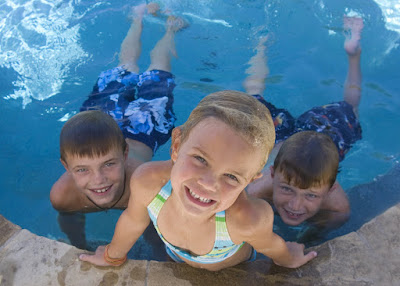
[[263, 187], [336, 200], [64, 195]]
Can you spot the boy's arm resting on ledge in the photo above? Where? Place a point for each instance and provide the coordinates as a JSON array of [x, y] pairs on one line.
[[264, 240]]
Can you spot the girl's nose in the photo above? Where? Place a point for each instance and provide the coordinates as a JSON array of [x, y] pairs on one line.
[[208, 180]]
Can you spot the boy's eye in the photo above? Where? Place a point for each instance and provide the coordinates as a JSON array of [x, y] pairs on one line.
[[109, 164], [311, 196], [232, 177], [81, 170], [286, 189]]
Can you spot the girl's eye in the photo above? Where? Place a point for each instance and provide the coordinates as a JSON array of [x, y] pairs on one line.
[[200, 159], [232, 177]]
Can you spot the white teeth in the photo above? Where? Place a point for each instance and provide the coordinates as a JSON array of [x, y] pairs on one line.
[[101, 190], [197, 197], [293, 214]]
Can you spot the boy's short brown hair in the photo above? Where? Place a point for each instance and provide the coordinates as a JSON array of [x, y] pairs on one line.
[[240, 111], [90, 133], [308, 159]]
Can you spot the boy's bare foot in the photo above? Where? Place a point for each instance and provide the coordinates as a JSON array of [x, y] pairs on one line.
[[352, 30], [153, 8], [174, 24], [140, 10]]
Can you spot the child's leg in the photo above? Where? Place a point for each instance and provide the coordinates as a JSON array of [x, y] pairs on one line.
[[131, 46], [254, 84], [161, 54], [352, 86]]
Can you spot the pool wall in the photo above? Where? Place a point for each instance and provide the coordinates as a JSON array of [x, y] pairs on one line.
[[368, 256], [364, 257]]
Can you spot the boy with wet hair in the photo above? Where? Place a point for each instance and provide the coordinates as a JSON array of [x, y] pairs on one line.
[[125, 119], [301, 184], [197, 199]]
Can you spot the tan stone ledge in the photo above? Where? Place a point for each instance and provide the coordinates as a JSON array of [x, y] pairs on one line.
[[369, 256]]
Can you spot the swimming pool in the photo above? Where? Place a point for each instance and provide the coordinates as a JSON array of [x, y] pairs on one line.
[[52, 52]]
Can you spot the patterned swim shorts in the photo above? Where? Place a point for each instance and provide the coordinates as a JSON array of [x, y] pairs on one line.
[[336, 120], [141, 104], [283, 120]]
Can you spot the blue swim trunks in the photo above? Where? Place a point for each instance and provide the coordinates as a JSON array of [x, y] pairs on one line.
[[141, 104], [336, 119], [284, 122]]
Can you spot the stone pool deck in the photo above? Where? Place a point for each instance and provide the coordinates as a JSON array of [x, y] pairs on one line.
[[369, 256]]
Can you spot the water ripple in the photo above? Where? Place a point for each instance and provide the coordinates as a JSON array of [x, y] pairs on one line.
[[38, 42]]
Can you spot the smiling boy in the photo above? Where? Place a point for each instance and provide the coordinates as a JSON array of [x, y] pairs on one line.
[[124, 120], [302, 185]]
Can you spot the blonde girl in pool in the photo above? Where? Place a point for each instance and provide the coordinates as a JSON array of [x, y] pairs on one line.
[[197, 200]]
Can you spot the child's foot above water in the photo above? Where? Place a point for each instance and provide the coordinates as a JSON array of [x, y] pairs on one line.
[[175, 24], [352, 30], [140, 10]]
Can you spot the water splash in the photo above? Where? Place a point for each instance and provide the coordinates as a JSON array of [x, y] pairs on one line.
[[39, 44], [215, 21], [391, 12]]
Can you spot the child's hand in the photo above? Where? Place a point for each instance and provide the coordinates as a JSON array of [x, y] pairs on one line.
[[97, 258], [297, 252]]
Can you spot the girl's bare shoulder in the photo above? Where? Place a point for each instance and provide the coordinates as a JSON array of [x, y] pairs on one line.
[[248, 215], [149, 178]]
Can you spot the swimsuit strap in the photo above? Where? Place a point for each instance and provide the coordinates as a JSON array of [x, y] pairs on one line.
[[158, 202], [223, 245], [222, 238]]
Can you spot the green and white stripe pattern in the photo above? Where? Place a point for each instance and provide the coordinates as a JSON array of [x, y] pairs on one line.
[[223, 245]]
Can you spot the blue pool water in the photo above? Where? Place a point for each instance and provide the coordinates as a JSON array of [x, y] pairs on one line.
[[51, 53]]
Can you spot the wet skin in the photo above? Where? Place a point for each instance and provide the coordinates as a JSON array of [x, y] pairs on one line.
[[212, 167], [293, 204], [100, 178]]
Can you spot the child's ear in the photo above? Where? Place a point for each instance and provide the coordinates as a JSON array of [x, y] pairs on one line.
[[334, 187], [271, 169], [256, 177], [175, 143], [64, 164], [126, 152]]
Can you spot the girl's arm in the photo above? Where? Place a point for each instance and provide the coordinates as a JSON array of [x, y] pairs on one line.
[[264, 240], [130, 226]]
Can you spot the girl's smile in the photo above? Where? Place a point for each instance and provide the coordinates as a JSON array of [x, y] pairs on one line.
[[212, 166]]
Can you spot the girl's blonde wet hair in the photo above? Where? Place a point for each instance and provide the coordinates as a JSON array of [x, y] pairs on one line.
[[242, 112]]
